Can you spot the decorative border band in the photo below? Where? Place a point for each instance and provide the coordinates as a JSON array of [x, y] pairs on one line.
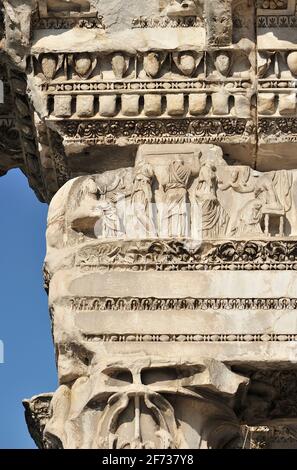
[[158, 304], [277, 21], [191, 338], [154, 131], [142, 87], [164, 255], [89, 22], [277, 129], [166, 22]]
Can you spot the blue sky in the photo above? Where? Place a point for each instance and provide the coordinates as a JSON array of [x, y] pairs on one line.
[[29, 366]]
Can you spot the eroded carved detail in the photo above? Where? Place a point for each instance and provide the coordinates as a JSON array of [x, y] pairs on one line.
[[271, 395], [150, 392], [85, 99], [155, 304]]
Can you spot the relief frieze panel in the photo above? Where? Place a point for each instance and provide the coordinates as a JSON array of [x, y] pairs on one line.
[[164, 136], [191, 194]]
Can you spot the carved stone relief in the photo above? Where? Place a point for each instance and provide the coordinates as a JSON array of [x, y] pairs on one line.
[[152, 394], [164, 135], [181, 192]]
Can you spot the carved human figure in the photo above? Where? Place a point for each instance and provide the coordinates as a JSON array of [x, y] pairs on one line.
[[174, 215], [249, 220], [272, 195], [141, 223], [214, 218], [109, 224], [84, 214], [88, 193], [283, 183], [239, 182], [110, 227]]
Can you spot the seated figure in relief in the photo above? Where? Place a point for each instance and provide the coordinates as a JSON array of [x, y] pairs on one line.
[[271, 194], [97, 208], [249, 219]]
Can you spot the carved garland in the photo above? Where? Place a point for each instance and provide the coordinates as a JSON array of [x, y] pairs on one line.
[[174, 256], [152, 131], [278, 129], [95, 22]]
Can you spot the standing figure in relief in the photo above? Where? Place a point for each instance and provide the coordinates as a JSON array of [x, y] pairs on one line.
[[214, 217], [174, 220], [141, 222], [109, 225]]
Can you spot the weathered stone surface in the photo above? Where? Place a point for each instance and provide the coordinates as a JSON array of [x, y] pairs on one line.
[[164, 135]]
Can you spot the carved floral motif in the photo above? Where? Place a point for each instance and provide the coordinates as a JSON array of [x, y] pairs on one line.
[[158, 131], [175, 205], [170, 255]]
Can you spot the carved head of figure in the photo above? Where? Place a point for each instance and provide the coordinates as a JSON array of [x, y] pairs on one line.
[[144, 170], [88, 189], [223, 63]]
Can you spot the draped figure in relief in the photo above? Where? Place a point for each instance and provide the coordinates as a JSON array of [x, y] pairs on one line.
[[141, 223], [214, 218], [174, 212]]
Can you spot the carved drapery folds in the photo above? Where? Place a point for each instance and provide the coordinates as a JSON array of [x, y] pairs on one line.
[[165, 139], [180, 214], [180, 192]]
